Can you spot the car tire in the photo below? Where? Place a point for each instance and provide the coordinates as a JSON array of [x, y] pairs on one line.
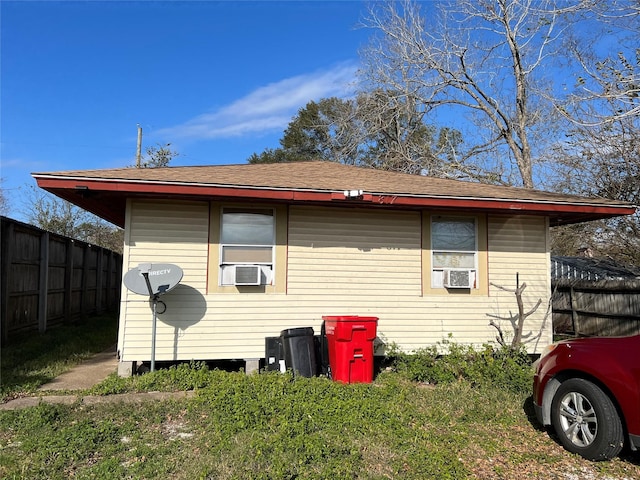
[[586, 420]]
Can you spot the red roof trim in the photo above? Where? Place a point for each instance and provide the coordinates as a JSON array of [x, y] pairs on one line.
[[367, 198]]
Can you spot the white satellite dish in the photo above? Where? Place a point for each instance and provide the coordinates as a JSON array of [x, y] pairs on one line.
[[153, 279]]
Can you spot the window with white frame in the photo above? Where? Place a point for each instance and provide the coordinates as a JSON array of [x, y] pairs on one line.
[[454, 252], [247, 240]]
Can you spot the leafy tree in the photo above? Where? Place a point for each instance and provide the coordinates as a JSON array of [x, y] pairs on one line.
[[317, 132], [101, 233], [396, 137], [381, 129], [55, 215], [271, 155], [52, 214]]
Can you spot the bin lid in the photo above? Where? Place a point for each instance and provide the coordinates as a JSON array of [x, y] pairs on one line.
[[348, 318], [297, 332]]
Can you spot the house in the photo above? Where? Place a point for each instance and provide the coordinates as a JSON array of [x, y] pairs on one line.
[[274, 246]]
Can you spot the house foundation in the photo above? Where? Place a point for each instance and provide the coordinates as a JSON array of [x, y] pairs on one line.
[[126, 369], [251, 365]]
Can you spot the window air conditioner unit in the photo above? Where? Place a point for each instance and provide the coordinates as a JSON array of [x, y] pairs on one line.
[[458, 278], [247, 275]]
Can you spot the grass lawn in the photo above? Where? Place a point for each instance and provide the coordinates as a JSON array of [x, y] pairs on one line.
[[275, 426], [34, 359]]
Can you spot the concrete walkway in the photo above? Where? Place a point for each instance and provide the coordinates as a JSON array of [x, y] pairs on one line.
[[86, 374], [26, 402], [82, 377]]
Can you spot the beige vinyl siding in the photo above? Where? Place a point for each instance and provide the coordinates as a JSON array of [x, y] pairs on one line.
[[353, 252], [340, 261], [518, 245], [164, 232]]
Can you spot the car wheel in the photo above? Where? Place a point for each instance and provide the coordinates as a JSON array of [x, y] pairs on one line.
[[586, 421]]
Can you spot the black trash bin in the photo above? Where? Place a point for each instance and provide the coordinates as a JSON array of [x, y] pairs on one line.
[[299, 351]]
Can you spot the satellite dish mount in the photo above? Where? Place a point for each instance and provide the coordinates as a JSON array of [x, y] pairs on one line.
[[153, 280]]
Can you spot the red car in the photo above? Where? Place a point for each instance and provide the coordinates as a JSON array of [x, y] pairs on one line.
[[588, 389]]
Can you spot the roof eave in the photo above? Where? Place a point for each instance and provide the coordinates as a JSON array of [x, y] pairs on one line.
[[81, 191]]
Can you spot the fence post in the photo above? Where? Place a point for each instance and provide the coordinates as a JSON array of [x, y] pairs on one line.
[[118, 282], [84, 283], [43, 287], [8, 239], [574, 314], [110, 265], [99, 276], [68, 281]]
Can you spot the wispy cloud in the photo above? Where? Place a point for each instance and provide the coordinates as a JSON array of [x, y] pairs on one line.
[[267, 109], [12, 165]]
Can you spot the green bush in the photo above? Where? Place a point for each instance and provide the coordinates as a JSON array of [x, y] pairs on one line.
[[448, 361]]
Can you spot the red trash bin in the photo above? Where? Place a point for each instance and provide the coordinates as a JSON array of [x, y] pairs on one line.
[[350, 344]]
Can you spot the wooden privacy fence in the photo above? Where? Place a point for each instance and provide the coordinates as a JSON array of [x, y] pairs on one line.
[[48, 279], [605, 308]]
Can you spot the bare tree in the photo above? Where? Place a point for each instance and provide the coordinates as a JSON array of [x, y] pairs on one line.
[[603, 160], [158, 156], [486, 61], [600, 155], [4, 202], [606, 83]]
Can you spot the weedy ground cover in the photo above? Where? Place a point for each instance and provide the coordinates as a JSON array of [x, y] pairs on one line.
[[421, 418], [275, 426]]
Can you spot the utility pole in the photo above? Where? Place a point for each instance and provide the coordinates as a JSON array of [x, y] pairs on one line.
[[139, 150]]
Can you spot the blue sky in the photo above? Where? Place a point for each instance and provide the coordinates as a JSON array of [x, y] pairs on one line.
[[219, 80]]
